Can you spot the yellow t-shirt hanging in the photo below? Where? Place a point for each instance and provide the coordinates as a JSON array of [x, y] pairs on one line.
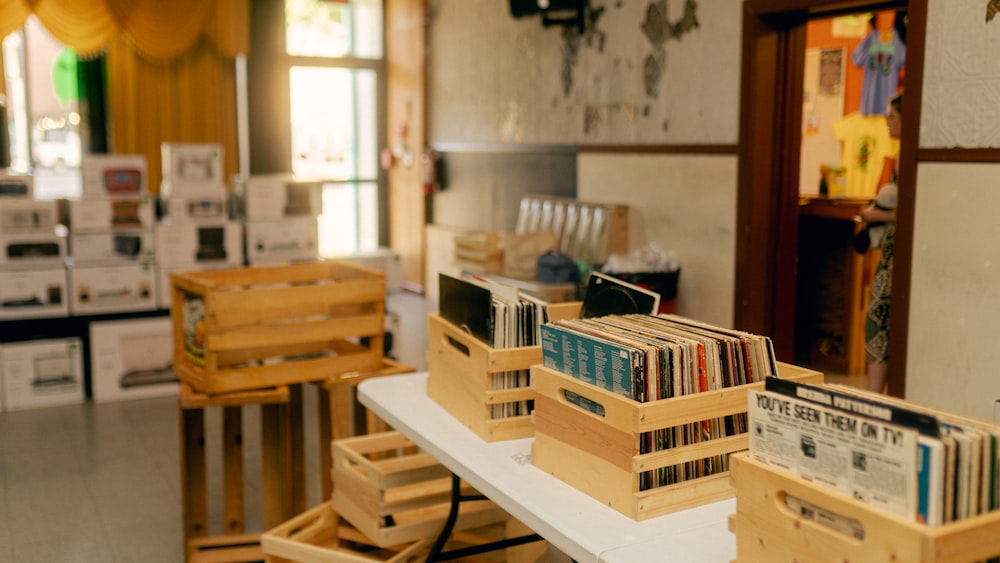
[[866, 146]]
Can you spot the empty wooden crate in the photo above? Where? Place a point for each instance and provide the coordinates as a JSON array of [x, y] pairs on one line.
[[600, 454], [393, 493], [488, 389], [257, 327]]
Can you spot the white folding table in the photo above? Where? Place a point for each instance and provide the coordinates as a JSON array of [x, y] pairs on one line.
[[573, 522]]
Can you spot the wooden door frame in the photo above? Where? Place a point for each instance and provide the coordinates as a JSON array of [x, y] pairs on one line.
[[773, 59]]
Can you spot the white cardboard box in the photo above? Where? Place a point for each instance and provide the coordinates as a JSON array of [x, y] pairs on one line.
[[191, 168], [282, 241], [197, 209], [42, 373], [280, 196], [111, 289], [16, 185], [164, 297], [19, 215], [194, 243], [132, 246], [33, 293], [88, 215], [32, 250], [114, 175], [131, 359], [384, 260]]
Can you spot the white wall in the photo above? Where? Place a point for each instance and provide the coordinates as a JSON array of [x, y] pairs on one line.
[[686, 204], [955, 288]]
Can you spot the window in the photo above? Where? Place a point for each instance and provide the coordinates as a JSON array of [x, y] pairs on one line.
[[43, 114], [335, 56]]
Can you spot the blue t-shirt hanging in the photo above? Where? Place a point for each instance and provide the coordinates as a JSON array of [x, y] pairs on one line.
[[881, 63]]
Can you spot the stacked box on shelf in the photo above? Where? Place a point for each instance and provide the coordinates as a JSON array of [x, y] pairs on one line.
[[463, 372], [262, 326], [131, 359], [32, 253], [593, 443], [281, 215], [394, 493], [111, 237], [41, 373], [768, 529], [196, 230]]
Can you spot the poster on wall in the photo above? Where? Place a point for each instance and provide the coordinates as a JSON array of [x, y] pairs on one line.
[[822, 104], [831, 69]]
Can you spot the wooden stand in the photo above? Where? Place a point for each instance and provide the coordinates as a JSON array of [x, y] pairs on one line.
[[283, 469], [600, 455], [280, 497]]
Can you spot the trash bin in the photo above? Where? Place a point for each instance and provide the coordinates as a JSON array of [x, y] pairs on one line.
[[664, 283]]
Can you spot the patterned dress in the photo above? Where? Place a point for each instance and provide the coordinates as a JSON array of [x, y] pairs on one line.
[[877, 320]]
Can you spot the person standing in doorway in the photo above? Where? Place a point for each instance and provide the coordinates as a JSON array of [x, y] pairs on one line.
[[883, 209]]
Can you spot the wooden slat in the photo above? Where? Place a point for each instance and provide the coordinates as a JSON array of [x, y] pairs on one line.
[[232, 470]]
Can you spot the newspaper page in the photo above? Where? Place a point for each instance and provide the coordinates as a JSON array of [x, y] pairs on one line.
[[869, 460]]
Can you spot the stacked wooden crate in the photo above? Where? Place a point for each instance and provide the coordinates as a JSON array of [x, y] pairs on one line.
[[252, 337]]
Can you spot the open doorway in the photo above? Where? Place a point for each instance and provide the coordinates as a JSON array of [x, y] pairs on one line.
[[771, 119], [853, 67]]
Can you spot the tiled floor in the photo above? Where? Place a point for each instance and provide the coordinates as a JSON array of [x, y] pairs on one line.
[[101, 482]]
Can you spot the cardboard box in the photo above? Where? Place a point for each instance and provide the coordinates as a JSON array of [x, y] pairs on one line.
[[89, 215], [32, 250], [131, 359], [22, 215], [596, 448], [33, 293], [191, 168], [16, 186], [42, 373], [282, 241], [132, 246], [385, 260], [111, 289], [192, 243], [256, 327], [281, 196], [203, 209], [114, 175]]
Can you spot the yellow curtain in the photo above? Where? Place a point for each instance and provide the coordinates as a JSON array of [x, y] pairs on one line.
[[171, 75], [190, 99]]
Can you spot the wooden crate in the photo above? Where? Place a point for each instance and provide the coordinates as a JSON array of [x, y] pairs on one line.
[[600, 455], [338, 405], [394, 493], [461, 377], [479, 252], [767, 530], [319, 536], [259, 327]]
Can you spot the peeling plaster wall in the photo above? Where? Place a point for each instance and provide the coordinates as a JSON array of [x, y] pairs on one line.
[[955, 287], [495, 81]]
